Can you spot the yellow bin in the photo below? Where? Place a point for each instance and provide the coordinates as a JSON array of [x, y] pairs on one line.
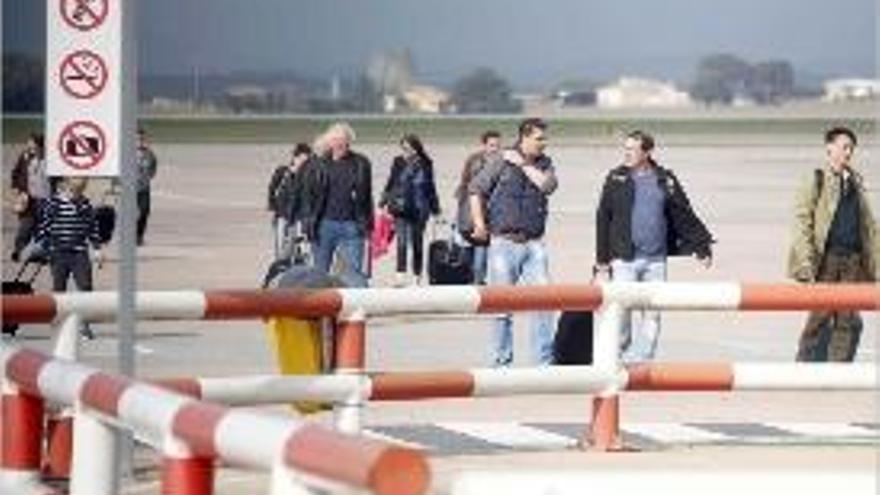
[[298, 346]]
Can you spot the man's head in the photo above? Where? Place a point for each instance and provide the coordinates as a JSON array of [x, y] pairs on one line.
[[300, 154], [491, 142], [532, 137], [840, 143], [637, 148], [35, 143], [338, 139]]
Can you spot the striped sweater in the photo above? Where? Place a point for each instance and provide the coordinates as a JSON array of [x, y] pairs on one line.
[[67, 224]]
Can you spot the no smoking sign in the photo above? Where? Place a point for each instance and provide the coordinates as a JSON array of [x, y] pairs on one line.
[[84, 15], [83, 74], [82, 145]]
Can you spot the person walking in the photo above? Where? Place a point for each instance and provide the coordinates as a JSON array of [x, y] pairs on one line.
[[509, 205], [410, 196], [147, 166], [283, 199], [30, 185], [490, 148], [67, 228], [644, 216], [337, 203], [834, 240]]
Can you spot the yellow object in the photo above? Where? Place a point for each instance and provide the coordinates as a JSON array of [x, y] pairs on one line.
[[298, 347]]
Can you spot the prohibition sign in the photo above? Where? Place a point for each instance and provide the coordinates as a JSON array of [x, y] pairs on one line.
[[84, 15], [82, 145], [83, 74]]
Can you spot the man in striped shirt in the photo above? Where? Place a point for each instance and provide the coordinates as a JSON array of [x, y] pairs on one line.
[[67, 227]]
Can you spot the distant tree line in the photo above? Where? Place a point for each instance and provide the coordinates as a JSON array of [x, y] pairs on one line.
[[723, 78]]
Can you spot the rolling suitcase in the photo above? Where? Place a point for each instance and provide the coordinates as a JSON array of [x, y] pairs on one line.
[[573, 342], [449, 263], [21, 285]]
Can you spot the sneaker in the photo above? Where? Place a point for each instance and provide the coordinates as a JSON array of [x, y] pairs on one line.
[[16, 256], [399, 279]]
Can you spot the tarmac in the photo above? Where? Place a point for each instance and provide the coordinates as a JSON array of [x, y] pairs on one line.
[[209, 229]]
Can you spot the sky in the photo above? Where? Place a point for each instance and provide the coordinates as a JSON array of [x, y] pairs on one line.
[[536, 42]]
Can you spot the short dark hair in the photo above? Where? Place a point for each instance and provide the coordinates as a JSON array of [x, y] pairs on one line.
[[646, 141], [832, 134], [528, 126], [490, 134], [302, 149]]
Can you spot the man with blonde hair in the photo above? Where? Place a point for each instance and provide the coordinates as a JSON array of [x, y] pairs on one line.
[[337, 196]]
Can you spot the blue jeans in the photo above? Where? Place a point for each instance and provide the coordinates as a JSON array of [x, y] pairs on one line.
[[513, 263], [479, 260], [641, 328], [348, 239]]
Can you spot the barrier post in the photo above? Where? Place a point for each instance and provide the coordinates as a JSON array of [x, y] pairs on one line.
[[604, 432], [59, 426], [95, 455], [21, 435], [350, 342], [284, 481], [184, 473]]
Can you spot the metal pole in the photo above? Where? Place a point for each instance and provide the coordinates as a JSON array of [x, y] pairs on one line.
[[128, 214], [350, 347]]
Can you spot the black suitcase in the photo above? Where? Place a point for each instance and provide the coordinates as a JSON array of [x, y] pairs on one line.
[[573, 343], [21, 285], [105, 216], [449, 263]]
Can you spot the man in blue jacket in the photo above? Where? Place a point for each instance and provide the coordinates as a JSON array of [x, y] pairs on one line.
[[508, 200]]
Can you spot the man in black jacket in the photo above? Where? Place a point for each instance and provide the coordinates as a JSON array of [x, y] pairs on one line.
[[283, 198], [337, 203], [644, 216]]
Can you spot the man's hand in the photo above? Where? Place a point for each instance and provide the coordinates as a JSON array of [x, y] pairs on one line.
[[513, 156], [98, 258], [480, 233]]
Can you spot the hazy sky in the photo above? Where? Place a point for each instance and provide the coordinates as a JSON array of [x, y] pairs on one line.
[[534, 42]]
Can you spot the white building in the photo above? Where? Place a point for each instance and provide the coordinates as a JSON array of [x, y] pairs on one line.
[[636, 92], [851, 89]]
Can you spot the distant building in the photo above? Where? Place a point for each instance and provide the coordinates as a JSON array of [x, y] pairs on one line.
[[426, 99], [851, 89], [635, 92]]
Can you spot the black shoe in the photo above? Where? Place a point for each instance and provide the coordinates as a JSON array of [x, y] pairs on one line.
[[16, 256], [86, 333]]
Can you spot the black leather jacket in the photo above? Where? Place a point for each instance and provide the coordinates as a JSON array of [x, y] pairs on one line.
[[314, 186]]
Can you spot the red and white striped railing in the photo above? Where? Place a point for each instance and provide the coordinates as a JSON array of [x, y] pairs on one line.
[[249, 304], [189, 432]]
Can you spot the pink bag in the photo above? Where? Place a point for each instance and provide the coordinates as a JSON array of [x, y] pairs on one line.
[[383, 234]]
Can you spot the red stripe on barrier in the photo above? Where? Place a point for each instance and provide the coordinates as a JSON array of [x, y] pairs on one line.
[[350, 344], [22, 432], [193, 476], [102, 391], [361, 462], [680, 377], [550, 297], [197, 425], [24, 368], [243, 304], [190, 387], [421, 385], [810, 297], [39, 308]]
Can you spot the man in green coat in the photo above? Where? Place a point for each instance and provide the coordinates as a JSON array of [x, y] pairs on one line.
[[834, 240]]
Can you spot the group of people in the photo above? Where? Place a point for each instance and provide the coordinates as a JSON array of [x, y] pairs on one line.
[[643, 217], [57, 222]]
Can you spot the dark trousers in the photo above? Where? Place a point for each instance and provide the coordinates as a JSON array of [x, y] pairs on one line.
[[833, 335], [67, 263], [27, 226], [143, 203], [410, 233]]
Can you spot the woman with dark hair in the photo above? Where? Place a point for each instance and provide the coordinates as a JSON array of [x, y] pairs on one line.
[[30, 185], [410, 196]]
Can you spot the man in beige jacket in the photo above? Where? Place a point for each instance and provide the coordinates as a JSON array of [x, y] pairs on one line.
[[835, 239]]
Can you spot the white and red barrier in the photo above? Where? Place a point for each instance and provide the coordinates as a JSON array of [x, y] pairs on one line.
[[190, 433], [249, 304]]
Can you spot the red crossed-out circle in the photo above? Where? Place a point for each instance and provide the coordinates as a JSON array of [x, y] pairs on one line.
[[77, 143], [83, 74], [84, 15]]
